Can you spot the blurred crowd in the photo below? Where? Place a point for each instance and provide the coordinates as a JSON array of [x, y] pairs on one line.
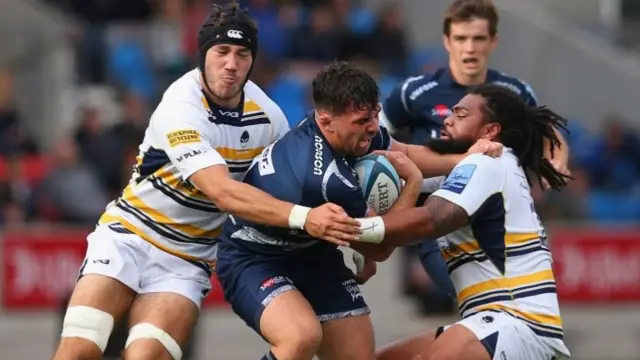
[[129, 51]]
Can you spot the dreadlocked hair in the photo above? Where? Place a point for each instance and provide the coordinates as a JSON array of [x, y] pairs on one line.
[[524, 129]]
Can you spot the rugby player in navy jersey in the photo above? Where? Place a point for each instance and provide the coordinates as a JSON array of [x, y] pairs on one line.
[[422, 103], [291, 288]]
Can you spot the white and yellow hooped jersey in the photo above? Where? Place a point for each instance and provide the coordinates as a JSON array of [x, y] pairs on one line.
[[188, 133], [500, 261]]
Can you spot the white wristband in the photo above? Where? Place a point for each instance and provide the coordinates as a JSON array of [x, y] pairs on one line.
[[372, 229], [298, 217]]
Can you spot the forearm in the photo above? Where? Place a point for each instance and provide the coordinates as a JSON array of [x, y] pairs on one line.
[[408, 196], [376, 252], [430, 163]]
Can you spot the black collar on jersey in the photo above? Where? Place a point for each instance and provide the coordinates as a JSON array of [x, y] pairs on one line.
[[217, 112], [445, 77]]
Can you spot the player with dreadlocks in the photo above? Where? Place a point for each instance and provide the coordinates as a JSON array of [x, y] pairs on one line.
[[154, 248], [489, 234]]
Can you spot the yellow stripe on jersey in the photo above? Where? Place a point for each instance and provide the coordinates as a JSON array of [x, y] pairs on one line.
[[472, 247], [504, 283], [237, 155], [158, 217], [174, 181], [108, 219], [545, 319], [250, 106], [519, 239]]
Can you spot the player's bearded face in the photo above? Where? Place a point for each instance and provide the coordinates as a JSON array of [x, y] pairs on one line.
[[358, 130], [226, 68], [463, 128], [469, 45]]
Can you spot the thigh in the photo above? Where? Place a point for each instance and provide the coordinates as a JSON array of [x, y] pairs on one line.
[[166, 273], [415, 347], [490, 335], [331, 289], [114, 255], [349, 338], [250, 284]]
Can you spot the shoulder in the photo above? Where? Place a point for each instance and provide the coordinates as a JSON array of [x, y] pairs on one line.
[[182, 103], [479, 163], [255, 94], [519, 86], [421, 85]]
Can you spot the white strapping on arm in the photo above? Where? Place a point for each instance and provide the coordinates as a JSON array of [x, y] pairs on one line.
[[298, 217], [372, 229]]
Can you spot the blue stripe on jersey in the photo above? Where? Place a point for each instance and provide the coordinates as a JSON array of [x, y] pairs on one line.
[[152, 160]]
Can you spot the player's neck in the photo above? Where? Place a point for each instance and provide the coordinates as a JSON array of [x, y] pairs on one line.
[[466, 80]]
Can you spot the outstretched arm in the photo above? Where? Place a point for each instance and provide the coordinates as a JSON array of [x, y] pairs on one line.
[[432, 164]]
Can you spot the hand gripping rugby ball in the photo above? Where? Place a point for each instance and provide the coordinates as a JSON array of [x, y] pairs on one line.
[[379, 182]]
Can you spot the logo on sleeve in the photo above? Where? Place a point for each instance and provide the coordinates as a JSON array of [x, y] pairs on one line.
[[459, 178], [181, 137]]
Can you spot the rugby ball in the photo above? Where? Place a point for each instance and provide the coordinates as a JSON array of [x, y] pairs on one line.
[[379, 182]]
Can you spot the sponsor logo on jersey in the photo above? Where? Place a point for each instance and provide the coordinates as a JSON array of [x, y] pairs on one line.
[[180, 137], [441, 110], [189, 155], [508, 85], [422, 89], [459, 178], [317, 158]]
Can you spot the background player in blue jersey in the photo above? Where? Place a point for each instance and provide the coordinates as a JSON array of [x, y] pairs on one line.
[[291, 288], [420, 104]]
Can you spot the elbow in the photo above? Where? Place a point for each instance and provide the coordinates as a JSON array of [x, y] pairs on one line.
[[220, 195]]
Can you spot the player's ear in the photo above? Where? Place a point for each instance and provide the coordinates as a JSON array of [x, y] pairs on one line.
[[324, 120], [447, 42], [494, 41], [491, 131]]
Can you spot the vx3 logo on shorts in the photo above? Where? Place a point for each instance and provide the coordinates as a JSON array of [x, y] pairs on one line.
[[352, 288], [102, 261]]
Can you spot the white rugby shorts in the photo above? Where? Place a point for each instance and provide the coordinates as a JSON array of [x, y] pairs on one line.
[[507, 338], [141, 266]]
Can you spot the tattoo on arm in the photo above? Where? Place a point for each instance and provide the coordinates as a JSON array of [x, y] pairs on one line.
[[445, 216]]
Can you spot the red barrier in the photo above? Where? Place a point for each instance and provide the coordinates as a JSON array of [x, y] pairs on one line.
[[40, 269], [597, 264]]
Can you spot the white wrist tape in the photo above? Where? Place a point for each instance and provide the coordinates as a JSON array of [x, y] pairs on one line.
[[372, 229], [298, 217]]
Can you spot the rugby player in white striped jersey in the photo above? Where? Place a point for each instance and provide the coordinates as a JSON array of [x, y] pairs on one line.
[[490, 235], [153, 250]]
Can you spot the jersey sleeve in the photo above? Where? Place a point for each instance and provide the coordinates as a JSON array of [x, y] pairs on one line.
[[184, 137], [382, 140], [472, 182], [395, 109]]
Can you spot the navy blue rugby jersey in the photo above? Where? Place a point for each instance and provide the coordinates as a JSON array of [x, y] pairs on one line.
[[303, 169], [422, 103]]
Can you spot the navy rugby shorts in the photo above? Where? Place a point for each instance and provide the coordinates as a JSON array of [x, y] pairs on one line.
[[251, 280]]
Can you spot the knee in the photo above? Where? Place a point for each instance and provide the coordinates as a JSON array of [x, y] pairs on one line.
[[302, 341], [85, 333], [148, 342]]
